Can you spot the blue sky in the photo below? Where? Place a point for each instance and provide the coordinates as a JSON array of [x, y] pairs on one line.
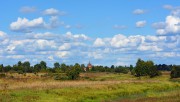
[[104, 32]]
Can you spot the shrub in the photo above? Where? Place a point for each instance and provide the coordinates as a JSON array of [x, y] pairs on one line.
[[175, 73], [60, 77], [2, 75], [73, 73], [121, 70], [20, 72]]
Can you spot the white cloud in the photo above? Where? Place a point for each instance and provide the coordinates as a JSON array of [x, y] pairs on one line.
[[120, 41], [53, 12], [62, 54], [80, 48], [25, 25], [44, 44], [51, 58], [139, 11], [15, 57], [165, 54], [27, 9], [149, 48], [54, 22], [2, 34], [76, 36], [65, 46], [159, 25], [171, 26], [95, 55], [140, 24], [155, 38], [99, 42]]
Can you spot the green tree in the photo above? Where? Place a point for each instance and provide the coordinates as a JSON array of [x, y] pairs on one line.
[[131, 67], [139, 70], [144, 68], [151, 69], [1, 68], [73, 73], [56, 65], [82, 67], [43, 66], [26, 66], [37, 68], [19, 63], [63, 67], [175, 72]]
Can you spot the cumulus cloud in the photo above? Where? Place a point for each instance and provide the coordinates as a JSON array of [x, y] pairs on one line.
[[139, 11], [171, 26], [51, 58], [62, 54], [15, 57], [159, 25], [149, 48], [2, 34], [99, 42], [72, 48], [65, 46], [140, 24], [53, 12], [25, 25], [77, 37], [27, 9]]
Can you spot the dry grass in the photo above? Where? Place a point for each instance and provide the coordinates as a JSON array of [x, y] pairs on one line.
[[30, 84], [32, 81], [27, 87]]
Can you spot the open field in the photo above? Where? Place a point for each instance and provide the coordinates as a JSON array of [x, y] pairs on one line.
[[91, 87]]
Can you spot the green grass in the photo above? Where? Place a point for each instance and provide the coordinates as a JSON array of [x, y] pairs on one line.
[[133, 89]]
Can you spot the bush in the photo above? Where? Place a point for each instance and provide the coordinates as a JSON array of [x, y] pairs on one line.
[[20, 72], [175, 73], [2, 75], [73, 74], [121, 70], [60, 77]]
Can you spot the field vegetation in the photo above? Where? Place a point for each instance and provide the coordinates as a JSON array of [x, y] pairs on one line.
[[145, 82], [90, 87]]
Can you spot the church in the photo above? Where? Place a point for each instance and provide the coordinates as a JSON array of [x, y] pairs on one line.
[[89, 67]]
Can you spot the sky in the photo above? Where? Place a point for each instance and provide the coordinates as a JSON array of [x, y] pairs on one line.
[[104, 32]]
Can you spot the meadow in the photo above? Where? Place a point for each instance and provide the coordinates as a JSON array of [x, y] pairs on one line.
[[90, 87]]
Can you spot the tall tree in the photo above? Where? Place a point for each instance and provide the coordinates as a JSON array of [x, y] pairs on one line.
[[26, 66], [1, 68], [57, 65], [63, 67], [43, 65], [144, 68]]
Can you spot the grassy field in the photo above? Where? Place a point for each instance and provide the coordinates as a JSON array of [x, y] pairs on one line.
[[91, 87]]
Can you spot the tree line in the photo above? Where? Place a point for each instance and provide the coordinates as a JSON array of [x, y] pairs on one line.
[[142, 68]]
